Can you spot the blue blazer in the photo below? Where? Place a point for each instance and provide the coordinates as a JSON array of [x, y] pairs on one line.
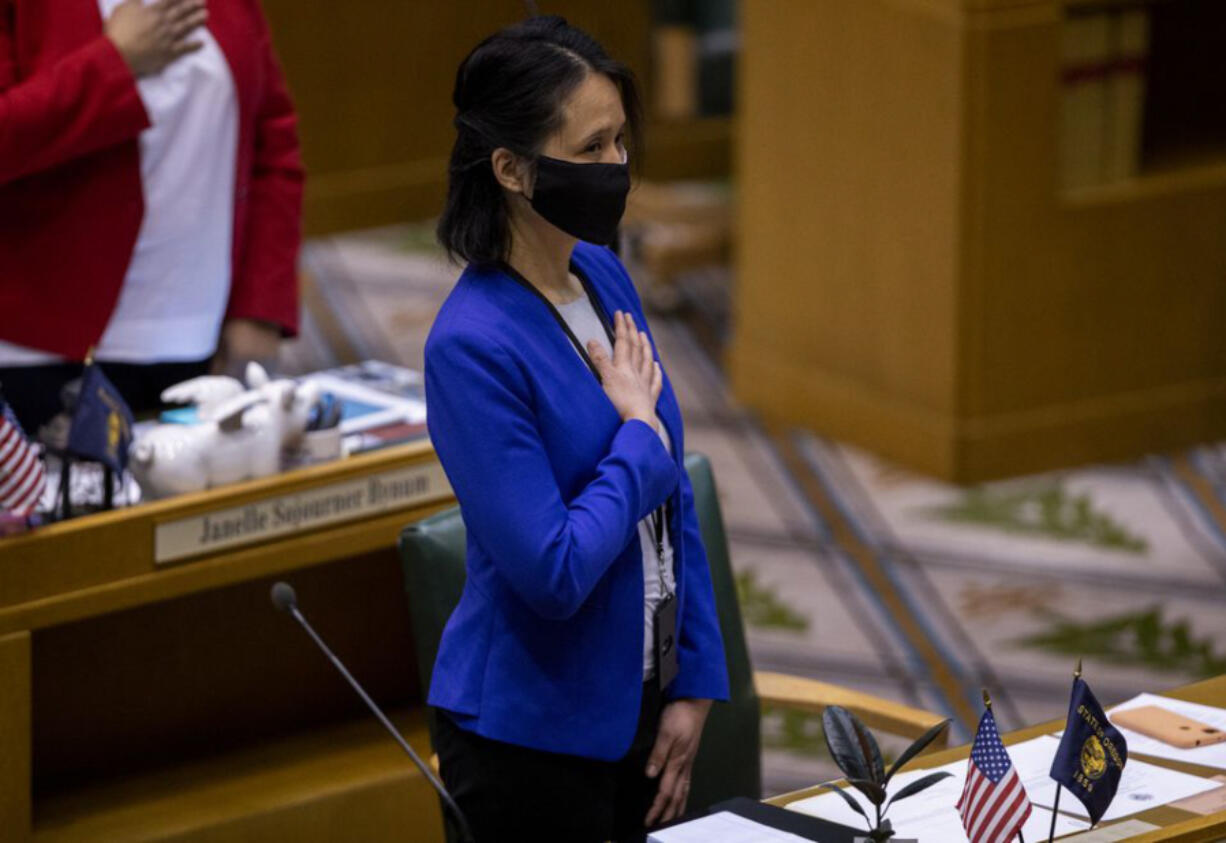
[[545, 648]]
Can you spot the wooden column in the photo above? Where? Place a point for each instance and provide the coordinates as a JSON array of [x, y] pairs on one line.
[[913, 277]]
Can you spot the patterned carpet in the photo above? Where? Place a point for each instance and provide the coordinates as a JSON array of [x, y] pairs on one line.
[[857, 572]]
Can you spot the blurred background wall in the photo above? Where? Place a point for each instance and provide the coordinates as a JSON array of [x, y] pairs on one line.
[[373, 81]]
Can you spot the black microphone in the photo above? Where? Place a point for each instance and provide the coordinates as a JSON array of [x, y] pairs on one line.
[[284, 598]]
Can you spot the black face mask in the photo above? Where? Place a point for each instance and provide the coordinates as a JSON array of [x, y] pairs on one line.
[[584, 200]]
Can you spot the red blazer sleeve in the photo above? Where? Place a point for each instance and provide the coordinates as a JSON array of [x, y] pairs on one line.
[[265, 284], [84, 102]]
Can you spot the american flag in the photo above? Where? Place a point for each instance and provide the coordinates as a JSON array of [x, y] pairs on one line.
[[994, 805], [22, 474]]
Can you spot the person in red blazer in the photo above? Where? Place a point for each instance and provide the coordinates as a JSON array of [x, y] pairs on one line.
[[97, 98]]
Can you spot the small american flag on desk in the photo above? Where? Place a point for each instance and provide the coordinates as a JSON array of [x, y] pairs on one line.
[[994, 805], [22, 475]]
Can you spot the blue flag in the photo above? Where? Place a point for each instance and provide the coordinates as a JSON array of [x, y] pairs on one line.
[[101, 423], [1091, 754]]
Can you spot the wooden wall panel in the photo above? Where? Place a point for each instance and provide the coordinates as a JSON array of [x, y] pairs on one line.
[[1088, 318], [373, 82], [912, 277], [214, 671], [846, 288]]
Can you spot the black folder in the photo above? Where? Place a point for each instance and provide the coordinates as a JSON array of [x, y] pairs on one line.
[[802, 825]]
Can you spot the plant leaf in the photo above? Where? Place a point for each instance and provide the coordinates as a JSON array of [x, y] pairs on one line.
[[853, 804], [921, 743], [868, 746], [922, 783], [874, 792], [844, 743]]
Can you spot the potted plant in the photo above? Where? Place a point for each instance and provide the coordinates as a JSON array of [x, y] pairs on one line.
[[856, 753]]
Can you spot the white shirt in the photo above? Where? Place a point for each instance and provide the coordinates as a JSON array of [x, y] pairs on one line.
[[174, 295], [586, 325]]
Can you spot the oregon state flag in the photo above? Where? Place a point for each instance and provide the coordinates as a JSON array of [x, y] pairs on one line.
[[101, 423], [1091, 754]]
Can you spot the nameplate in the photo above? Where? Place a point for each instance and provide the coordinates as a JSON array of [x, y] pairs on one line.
[[322, 506]]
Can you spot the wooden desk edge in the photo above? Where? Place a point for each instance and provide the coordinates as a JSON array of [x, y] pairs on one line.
[[152, 582], [233, 494]]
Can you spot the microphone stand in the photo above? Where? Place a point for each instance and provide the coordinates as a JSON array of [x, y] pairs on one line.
[[284, 598]]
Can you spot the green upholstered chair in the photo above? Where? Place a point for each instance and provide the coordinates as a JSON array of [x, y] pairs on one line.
[[729, 758]]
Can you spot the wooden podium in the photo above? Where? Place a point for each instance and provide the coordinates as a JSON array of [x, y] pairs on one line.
[[150, 691]]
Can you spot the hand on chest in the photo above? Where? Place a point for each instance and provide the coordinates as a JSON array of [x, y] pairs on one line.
[[589, 359], [198, 81]]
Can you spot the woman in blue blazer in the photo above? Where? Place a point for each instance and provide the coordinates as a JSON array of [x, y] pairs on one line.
[[575, 675]]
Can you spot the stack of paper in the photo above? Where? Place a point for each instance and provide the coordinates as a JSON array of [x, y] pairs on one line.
[[363, 408]]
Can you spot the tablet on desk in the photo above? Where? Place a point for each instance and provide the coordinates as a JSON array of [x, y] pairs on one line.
[[1168, 726]]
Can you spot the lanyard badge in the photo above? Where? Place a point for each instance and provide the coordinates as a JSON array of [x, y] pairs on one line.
[[667, 664], [665, 617]]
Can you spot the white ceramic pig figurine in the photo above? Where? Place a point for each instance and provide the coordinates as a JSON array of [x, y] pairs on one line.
[[240, 436]]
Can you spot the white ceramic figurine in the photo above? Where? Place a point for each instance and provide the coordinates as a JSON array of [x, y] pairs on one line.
[[240, 435]]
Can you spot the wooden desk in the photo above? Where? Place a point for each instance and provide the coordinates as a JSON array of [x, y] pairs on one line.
[[168, 701], [1174, 825]]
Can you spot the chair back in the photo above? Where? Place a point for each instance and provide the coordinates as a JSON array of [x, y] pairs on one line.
[[432, 555], [729, 761]]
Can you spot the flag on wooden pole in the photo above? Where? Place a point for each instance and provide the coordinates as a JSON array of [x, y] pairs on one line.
[[994, 805], [1092, 752]]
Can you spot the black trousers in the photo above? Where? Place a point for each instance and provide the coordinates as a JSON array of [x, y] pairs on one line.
[[512, 793], [34, 391]]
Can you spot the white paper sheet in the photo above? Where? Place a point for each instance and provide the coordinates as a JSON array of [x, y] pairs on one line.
[[1032, 759], [723, 827], [1142, 786], [931, 816], [1209, 756]]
